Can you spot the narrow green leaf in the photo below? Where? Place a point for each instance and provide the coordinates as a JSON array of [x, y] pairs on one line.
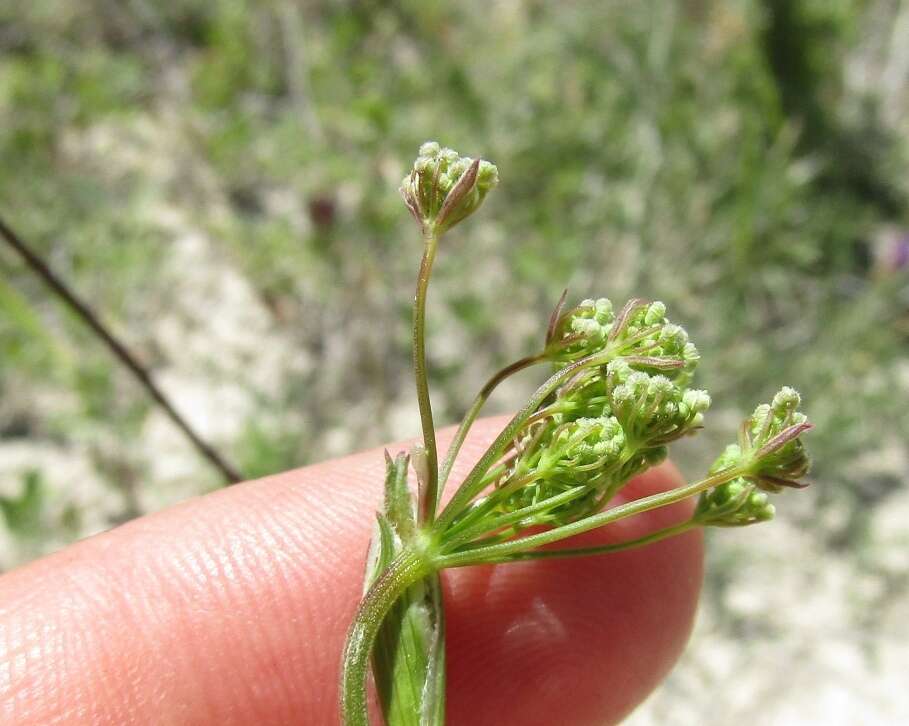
[[409, 654]]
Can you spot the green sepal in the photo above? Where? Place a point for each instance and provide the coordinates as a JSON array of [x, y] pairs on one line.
[[409, 654]]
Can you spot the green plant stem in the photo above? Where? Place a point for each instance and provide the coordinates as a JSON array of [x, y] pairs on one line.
[[472, 484], [599, 549], [479, 507], [429, 495], [474, 411], [638, 506], [453, 539], [406, 569]]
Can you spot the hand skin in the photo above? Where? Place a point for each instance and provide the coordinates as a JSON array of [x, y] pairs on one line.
[[232, 609]]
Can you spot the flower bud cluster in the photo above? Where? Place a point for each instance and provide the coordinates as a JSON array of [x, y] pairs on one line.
[[554, 457], [444, 188], [607, 424], [736, 503], [640, 332], [770, 450], [769, 455], [652, 408]]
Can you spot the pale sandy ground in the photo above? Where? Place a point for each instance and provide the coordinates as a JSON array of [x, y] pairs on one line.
[[799, 635]]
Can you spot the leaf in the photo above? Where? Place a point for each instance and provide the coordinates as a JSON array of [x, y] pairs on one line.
[[409, 654]]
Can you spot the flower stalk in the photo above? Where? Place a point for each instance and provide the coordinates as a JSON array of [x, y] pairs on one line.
[[618, 394], [429, 495], [405, 570]]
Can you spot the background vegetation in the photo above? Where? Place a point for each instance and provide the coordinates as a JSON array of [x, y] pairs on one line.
[[219, 178]]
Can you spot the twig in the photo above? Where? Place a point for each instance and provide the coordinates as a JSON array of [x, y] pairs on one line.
[[120, 351]]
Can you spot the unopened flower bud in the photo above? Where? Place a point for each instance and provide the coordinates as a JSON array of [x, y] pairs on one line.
[[655, 313], [785, 401], [772, 450], [770, 453], [639, 333], [733, 504], [444, 188]]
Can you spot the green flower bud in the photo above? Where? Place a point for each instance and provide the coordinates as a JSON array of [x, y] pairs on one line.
[[696, 401], [786, 401], [557, 456], [733, 504], [654, 313], [653, 409], [578, 449], [731, 457], [444, 188], [582, 446], [773, 455], [639, 332]]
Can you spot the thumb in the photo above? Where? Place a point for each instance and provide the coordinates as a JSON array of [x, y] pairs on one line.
[[232, 609]]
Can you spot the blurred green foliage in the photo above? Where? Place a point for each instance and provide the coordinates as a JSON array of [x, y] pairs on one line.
[[26, 518], [710, 154]]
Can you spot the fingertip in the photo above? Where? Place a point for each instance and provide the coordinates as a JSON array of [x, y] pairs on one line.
[[578, 641]]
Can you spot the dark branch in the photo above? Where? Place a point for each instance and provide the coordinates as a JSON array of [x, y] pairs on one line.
[[119, 350]]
